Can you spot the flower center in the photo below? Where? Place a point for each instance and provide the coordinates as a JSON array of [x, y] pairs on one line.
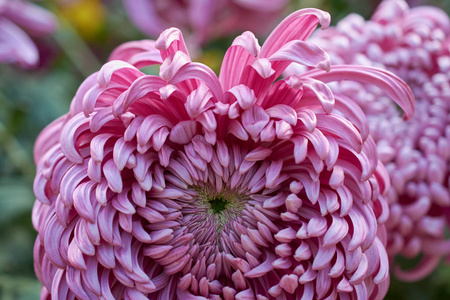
[[218, 209], [225, 203], [218, 204]]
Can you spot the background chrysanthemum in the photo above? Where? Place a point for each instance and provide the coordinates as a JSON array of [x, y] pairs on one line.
[[415, 45], [18, 20], [201, 21], [195, 186]]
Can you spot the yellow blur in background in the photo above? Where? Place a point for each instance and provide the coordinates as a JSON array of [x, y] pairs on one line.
[[86, 16]]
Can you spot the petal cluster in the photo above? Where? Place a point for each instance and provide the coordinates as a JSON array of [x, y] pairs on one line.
[[17, 20], [415, 45], [189, 185], [201, 21]]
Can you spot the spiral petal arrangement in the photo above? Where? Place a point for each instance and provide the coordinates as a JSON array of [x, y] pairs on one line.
[[189, 185]]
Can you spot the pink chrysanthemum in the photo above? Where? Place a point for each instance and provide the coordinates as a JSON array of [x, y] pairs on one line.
[[18, 18], [191, 186], [202, 20], [415, 45]]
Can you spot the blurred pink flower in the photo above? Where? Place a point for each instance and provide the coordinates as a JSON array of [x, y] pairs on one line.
[[191, 186], [414, 44], [202, 20], [19, 18]]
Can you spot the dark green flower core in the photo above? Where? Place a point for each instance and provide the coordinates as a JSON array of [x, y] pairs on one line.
[[218, 204], [222, 207]]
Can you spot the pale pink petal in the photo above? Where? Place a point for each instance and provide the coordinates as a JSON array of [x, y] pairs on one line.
[[107, 71], [32, 18], [299, 52], [137, 53], [244, 95], [393, 86], [16, 46]]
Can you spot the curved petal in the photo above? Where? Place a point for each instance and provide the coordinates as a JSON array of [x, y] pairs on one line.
[[170, 42], [425, 267], [322, 92], [300, 52], [140, 87], [48, 138], [202, 73], [288, 30], [242, 52], [340, 127], [16, 46], [106, 72], [137, 53], [390, 83], [32, 18]]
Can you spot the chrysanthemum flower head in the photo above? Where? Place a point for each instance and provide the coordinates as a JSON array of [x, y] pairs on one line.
[[18, 18], [202, 21], [191, 186], [415, 45]]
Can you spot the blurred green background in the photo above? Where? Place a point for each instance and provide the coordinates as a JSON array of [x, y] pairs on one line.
[[30, 99]]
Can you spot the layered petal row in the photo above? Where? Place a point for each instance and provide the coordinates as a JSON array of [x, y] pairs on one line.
[[414, 44], [189, 185]]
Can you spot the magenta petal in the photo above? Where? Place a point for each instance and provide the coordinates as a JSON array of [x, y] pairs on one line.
[[243, 51], [112, 174], [288, 31], [183, 132], [322, 91], [302, 53], [254, 120], [170, 42], [137, 53], [106, 72], [17, 19], [244, 96], [184, 185], [199, 101], [16, 41], [334, 124], [283, 112], [258, 154], [337, 231], [393, 86], [201, 73], [141, 87], [121, 153], [31, 17]]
